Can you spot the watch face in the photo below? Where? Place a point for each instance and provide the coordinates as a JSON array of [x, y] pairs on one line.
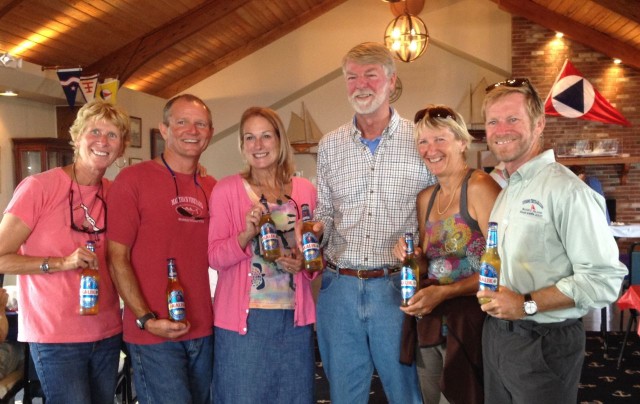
[[530, 307]]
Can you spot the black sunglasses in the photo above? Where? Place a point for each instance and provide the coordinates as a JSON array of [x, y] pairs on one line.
[[433, 113], [181, 210], [93, 228], [516, 82]]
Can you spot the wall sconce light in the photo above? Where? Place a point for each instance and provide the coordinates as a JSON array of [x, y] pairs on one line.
[[559, 35], [8, 60], [406, 37], [8, 93], [617, 61]]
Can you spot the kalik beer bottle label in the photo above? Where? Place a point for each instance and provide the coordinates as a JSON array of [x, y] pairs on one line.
[[310, 246], [88, 292], [269, 237], [488, 277], [176, 306], [408, 283]]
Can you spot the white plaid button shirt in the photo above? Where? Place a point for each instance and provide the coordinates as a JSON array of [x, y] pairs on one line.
[[366, 201]]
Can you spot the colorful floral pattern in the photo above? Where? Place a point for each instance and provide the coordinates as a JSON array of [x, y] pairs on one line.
[[453, 249]]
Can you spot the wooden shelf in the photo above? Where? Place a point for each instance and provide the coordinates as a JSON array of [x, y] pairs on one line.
[[625, 162]]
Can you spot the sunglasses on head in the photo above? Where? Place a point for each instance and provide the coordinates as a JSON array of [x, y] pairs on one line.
[[433, 113], [517, 82]]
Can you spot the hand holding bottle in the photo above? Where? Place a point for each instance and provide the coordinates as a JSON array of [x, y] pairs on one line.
[[252, 228], [292, 263]]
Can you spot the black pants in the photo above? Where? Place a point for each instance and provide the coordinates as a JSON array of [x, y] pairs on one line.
[[526, 362]]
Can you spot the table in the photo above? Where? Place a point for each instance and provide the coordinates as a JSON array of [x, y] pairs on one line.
[[631, 230]]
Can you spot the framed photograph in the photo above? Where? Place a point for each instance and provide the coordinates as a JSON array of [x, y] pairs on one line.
[[136, 132], [157, 143], [134, 160]]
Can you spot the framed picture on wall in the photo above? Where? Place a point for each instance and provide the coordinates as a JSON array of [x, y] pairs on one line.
[[157, 143], [134, 160], [136, 132]]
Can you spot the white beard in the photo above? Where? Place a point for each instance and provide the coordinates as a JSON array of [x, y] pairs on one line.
[[373, 105]]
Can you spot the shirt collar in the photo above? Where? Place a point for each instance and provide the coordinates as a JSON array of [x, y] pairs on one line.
[[388, 132], [529, 169]]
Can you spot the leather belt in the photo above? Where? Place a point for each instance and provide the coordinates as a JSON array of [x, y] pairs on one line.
[[364, 273], [528, 328]]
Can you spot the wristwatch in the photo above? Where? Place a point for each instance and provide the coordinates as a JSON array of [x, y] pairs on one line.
[[141, 321], [44, 267], [530, 307]]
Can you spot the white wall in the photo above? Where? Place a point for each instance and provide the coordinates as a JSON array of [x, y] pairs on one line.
[[470, 39]]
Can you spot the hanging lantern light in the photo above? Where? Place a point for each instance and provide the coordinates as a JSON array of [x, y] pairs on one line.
[[406, 37]]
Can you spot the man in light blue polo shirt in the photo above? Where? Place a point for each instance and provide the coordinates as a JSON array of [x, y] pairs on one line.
[[558, 256]]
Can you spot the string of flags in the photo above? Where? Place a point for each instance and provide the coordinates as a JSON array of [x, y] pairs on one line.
[[573, 96], [71, 80]]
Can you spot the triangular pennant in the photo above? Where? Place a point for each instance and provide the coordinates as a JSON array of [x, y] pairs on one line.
[[88, 85], [573, 96], [108, 91], [70, 80]]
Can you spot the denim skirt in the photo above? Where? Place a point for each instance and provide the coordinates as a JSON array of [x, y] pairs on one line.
[[273, 363]]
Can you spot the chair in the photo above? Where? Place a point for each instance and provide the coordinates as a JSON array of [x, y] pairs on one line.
[[633, 314]]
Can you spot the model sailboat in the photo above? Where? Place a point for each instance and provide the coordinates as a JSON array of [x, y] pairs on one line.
[[471, 106], [303, 132]]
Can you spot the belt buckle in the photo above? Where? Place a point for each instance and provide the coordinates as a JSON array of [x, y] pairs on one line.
[[361, 271]]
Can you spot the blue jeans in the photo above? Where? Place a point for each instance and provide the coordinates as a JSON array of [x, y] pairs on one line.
[[273, 363], [173, 371], [78, 373], [359, 328]]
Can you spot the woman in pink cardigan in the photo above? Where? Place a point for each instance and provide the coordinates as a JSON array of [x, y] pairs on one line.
[[263, 311]]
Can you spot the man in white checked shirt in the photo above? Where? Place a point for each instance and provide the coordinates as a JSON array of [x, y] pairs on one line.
[[369, 174]]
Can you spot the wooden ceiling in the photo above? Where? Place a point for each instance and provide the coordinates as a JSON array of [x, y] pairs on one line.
[[163, 47]]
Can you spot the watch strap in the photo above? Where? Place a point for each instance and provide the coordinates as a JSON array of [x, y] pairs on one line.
[[141, 321], [44, 267], [527, 297]]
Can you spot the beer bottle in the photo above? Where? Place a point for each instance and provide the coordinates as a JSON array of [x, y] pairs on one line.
[[175, 294], [268, 235], [410, 273], [490, 263], [89, 279], [310, 244]]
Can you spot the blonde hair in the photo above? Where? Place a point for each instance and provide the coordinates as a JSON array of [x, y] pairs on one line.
[[370, 53], [285, 167], [446, 118], [100, 110]]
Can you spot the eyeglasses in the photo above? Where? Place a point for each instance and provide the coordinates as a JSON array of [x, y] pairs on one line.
[[433, 113], [182, 211], [516, 82], [92, 228]]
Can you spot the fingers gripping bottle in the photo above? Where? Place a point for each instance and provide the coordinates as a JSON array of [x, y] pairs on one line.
[[310, 244], [175, 294], [268, 235], [89, 279], [490, 264], [410, 272]]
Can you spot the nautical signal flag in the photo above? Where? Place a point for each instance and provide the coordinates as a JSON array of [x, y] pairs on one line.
[[572, 96], [88, 85], [70, 81], [108, 91]]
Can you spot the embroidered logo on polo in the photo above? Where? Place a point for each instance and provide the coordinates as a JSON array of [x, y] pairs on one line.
[[531, 207]]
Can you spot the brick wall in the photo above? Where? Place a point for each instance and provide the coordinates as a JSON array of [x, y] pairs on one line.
[[537, 54]]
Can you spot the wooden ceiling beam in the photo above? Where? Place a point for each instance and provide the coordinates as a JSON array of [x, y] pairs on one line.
[[247, 49], [572, 29], [123, 62], [10, 5], [625, 8]]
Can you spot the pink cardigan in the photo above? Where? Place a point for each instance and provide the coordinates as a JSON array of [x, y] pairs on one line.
[[228, 205]]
